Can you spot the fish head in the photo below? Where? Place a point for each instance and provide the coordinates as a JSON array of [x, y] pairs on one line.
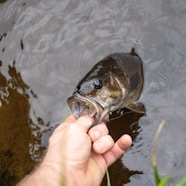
[[96, 96]]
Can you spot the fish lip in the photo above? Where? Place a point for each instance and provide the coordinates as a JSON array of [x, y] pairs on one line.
[[79, 102]]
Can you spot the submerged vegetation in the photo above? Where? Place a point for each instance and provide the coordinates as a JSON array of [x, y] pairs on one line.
[[162, 180]]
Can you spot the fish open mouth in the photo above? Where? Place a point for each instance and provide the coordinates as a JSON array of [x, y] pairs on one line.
[[82, 104]]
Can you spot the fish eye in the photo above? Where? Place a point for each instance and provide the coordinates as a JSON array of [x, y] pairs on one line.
[[98, 84]]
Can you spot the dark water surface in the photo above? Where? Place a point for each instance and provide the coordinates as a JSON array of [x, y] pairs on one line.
[[45, 49]]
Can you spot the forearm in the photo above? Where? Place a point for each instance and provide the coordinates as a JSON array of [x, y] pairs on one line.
[[47, 176], [44, 175]]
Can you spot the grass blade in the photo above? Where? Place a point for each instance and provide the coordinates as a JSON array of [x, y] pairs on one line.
[[164, 181], [108, 178], [182, 182], [154, 163]]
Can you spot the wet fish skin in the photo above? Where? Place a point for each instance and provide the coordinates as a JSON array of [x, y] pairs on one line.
[[113, 83]]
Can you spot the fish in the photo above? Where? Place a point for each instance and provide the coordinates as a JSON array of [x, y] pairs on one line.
[[115, 82]]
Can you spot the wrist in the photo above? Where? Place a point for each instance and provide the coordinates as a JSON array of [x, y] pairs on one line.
[[86, 177], [42, 176]]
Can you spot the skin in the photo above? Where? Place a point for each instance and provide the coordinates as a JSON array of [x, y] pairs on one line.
[[75, 157]]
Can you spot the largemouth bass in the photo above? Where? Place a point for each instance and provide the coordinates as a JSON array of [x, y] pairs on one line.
[[113, 83]]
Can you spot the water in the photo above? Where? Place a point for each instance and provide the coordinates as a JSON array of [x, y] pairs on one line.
[[47, 46]]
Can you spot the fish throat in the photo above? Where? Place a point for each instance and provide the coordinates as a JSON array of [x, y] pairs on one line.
[[84, 104]]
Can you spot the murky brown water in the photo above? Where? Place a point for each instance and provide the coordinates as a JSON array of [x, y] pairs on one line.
[[47, 46]]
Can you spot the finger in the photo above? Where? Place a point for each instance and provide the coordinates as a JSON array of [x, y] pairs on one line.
[[84, 122], [120, 147], [97, 132], [70, 119], [103, 144]]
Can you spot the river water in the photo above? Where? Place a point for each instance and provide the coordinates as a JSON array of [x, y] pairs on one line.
[[45, 49]]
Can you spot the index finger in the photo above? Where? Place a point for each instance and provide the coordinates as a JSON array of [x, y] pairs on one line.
[[85, 122], [70, 119]]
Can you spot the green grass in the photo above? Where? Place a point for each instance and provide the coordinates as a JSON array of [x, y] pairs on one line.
[[161, 180], [108, 178]]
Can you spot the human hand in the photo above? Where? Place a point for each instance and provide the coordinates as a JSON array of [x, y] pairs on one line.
[[85, 157], [78, 158]]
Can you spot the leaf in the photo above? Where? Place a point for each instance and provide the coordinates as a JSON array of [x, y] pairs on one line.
[[182, 182], [164, 181], [154, 164]]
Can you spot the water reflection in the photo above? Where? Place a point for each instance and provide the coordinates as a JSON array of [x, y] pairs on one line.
[[15, 128], [2, 36], [54, 43], [2, 1], [119, 174]]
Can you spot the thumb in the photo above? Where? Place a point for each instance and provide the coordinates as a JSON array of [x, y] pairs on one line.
[[85, 122]]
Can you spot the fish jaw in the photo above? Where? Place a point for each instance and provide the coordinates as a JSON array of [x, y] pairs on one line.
[[83, 104]]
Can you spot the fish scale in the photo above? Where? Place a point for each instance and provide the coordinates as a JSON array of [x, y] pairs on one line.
[[113, 83]]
